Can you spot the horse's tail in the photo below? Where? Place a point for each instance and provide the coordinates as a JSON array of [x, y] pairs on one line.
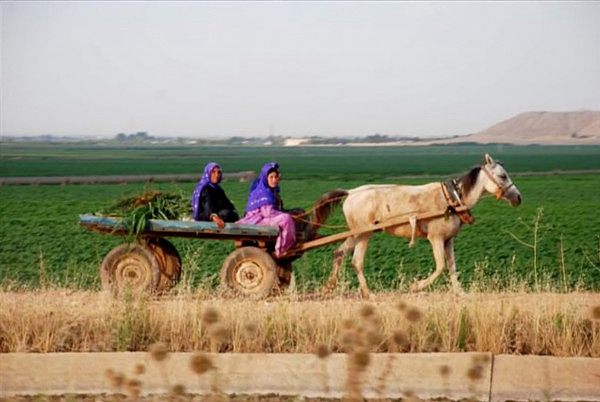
[[324, 206]]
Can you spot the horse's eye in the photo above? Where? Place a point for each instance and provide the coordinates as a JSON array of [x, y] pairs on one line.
[[503, 176]]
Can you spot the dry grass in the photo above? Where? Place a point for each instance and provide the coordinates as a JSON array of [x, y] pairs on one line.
[[541, 323]]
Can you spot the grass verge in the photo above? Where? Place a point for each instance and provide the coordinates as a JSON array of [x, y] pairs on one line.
[[62, 320]]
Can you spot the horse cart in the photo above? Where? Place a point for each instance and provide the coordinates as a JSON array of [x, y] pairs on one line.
[[151, 263], [435, 211]]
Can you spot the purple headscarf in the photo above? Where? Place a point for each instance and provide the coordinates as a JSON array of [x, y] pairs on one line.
[[260, 192], [204, 181]]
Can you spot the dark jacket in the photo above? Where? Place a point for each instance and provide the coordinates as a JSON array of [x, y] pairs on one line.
[[214, 201]]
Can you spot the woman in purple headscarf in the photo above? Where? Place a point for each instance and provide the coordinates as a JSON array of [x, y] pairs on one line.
[[264, 207], [209, 202]]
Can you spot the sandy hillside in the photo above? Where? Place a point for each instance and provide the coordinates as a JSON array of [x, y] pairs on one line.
[[544, 128]]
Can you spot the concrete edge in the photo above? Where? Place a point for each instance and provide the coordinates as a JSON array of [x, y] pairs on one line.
[[454, 376], [545, 378]]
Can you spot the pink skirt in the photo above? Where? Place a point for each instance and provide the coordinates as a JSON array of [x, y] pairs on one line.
[[269, 216]]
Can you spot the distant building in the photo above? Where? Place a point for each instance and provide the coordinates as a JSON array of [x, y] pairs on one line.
[[294, 142]]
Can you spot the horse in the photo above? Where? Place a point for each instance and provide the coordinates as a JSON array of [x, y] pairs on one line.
[[374, 204]]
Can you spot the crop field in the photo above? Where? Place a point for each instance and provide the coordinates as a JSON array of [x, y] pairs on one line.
[[551, 242], [330, 163]]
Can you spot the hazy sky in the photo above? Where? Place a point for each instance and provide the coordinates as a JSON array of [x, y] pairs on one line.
[[219, 69]]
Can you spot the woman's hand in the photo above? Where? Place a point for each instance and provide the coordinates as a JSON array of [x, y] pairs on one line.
[[217, 219]]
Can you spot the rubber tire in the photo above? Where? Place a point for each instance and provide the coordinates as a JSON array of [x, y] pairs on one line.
[[249, 272], [130, 266], [169, 262]]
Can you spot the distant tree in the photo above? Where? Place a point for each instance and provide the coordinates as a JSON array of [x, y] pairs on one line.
[[236, 140], [275, 140], [377, 138]]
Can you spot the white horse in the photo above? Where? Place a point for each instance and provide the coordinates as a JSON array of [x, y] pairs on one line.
[[368, 205]]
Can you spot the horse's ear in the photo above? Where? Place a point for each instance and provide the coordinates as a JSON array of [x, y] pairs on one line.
[[488, 159]]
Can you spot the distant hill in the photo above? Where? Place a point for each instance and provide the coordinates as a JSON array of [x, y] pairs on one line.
[[529, 128], [544, 128]]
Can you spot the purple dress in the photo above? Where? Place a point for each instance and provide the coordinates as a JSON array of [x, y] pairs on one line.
[[260, 210]]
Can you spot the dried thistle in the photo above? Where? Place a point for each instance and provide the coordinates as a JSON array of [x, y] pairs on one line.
[[210, 316], [251, 328], [134, 393], [322, 351], [596, 312], [400, 338], [445, 370], [360, 359], [475, 373], [351, 339], [367, 310], [347, 324], [413, 314], [481, 358], [116, 378], [219, 334], [374, 320], [133, 383], [372, 336], [133, 387], [201, 363], [158, 351], [178, 389], [139, 369]]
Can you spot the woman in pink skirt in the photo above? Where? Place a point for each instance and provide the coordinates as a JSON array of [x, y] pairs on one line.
[[264, 207]]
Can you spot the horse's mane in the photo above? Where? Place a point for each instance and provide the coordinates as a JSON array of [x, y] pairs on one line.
[[468, 180]]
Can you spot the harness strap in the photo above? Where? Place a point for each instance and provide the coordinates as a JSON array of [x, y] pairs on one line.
[[453, 197]]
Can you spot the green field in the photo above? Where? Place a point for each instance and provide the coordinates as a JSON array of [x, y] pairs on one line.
[[42, 243], [332, 163]]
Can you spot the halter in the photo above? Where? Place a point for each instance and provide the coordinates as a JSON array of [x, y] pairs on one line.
[[499, 193]]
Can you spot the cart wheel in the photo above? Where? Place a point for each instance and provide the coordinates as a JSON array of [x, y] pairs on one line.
[[130, 266], [168, 261], [250, 272]]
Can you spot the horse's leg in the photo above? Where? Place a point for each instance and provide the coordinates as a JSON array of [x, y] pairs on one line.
[[338, 259], [358, 263], [437, 245], [449, 248]]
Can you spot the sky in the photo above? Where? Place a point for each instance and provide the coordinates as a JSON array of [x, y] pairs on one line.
[[215, 69]]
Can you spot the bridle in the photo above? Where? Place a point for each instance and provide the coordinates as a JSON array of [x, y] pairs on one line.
[[499, 193]]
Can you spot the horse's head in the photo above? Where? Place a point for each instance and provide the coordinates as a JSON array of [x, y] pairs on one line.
[[499, 183]]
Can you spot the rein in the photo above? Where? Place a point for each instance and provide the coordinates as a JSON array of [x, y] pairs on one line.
[[301, 217]]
